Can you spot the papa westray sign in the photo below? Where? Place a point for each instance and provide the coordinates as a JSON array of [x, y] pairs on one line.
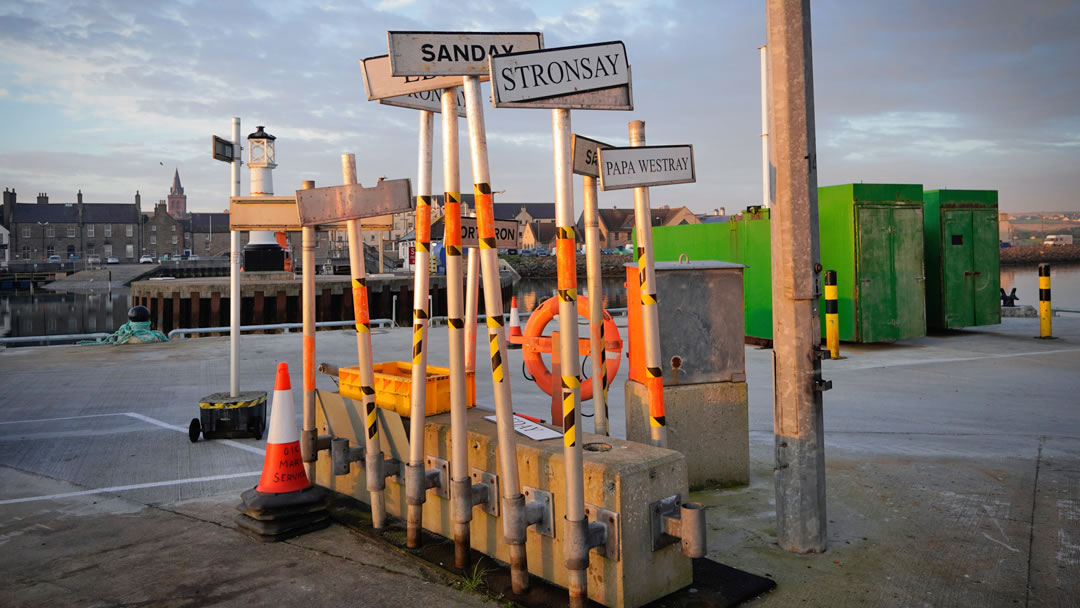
[[646, 166], [454, 53], [551, 74]]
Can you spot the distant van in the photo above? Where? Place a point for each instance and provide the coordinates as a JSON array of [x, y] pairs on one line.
[[1058, 239]]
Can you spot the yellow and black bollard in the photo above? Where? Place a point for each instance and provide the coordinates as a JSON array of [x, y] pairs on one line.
[[832, 317], [1045, 313]]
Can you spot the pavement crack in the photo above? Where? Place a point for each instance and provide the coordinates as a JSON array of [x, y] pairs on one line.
[[1031, 523]]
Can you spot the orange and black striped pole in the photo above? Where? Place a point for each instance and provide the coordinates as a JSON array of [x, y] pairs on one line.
[[650, 318], [1045, 312], [832, 316]]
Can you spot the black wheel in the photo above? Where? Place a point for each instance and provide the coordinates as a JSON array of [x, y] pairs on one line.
[[194, 429], [260, 426]]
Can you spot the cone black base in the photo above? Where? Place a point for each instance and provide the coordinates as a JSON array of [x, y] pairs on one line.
[[275, 517]]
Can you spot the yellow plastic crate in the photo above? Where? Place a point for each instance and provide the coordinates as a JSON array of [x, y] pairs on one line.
[[393, 380]]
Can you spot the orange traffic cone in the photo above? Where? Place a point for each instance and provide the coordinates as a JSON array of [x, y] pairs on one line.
[[515, 324], [283, 468], [284, 504]]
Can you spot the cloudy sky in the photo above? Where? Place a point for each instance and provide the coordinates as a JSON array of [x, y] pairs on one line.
[[110, 96]]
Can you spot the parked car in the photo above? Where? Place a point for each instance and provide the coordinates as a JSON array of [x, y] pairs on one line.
[[93, 260], [606, 251], [146, 259], [55, 259], [193, 257], [112, 261]]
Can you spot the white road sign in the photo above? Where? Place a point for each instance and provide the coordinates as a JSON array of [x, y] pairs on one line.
[[454, 53], [586, 155], [379, 83], [425, 100], [551, 73], [646, 166]]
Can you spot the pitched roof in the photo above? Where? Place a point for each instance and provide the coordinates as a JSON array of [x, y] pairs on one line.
[[110, 213], [544, 232], [55, 214], [176, 187], [539, 211], [205, 222]]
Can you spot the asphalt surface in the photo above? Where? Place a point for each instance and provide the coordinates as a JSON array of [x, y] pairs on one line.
[[953, 472]]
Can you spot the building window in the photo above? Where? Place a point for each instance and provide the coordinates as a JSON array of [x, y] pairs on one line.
[[26, 252], [90, 250], [50, 251], [50, 232], [90, 231], [71, 232], [108, 251], [108, 230], [153, 239], [26, 232], [130, 251], [153, 228], [174, 227], [129, 231], [174, 239]]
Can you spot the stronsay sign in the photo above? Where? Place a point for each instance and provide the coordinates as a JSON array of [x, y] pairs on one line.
[[552, 73], [646, 166], [454, 53]]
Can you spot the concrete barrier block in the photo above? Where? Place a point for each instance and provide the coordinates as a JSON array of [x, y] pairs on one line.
[[625, 479], [707, 423]]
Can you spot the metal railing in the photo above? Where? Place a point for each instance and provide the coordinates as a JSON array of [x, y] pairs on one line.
[[284, 327], [54, 338]]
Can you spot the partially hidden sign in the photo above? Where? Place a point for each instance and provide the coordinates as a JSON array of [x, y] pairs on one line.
[[416, 92], [506, 233], [263, 213], [454, 53], [586, 155], [644, 166], [352, 202], [530, 429], [563, 77]]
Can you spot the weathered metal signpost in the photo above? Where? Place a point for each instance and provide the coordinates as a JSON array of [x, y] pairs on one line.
[[563, 79], [586, 159], [639, 167], [466, 54]]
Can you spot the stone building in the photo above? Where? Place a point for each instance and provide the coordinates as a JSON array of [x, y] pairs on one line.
[[164, 234]]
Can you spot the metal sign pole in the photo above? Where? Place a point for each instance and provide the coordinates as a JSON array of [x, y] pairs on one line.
[[234, 272], [472, 294], [766, 198], [415, 486], [372, 448], [650, 320], [460, 479], [308, 311], [566, 252], [596, 307], [514, 518]]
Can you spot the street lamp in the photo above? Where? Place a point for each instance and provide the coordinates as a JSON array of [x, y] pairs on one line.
[[42, 229]]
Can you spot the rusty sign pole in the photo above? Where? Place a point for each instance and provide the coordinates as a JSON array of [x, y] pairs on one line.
[[797, 385], [650, 319], [460, 479], [514, 518], [373, 459], [416, 481]]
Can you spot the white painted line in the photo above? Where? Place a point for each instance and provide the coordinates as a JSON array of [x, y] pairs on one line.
[[171, 427], [148, 420], [138, 486], [874, 365], [55, 419]]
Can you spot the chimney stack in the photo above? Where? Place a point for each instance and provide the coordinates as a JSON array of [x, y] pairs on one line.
[[78, 197], [42, 198]]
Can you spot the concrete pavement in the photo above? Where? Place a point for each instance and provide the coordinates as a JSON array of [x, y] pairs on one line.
[[953, 477]]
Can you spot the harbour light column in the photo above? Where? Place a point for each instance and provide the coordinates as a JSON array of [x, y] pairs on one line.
[[262, 252]]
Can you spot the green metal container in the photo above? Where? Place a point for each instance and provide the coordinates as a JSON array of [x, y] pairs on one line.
[[871, 235], [755, 252], [963, 275]]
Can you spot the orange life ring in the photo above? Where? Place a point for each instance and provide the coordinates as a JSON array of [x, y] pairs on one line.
[[534, 343]]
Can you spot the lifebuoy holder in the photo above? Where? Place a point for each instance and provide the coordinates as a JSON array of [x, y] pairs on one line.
[[534, 343]]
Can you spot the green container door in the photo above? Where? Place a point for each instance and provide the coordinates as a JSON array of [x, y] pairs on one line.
[[970, 294], [890, 283]]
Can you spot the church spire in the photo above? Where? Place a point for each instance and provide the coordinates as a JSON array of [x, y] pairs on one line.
[[176, 189]]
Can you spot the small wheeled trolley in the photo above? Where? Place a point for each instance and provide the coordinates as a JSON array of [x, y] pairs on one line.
[[222, 416]]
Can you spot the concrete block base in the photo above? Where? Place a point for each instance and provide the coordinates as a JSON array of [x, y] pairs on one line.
[[625, 478], [707, 423]]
